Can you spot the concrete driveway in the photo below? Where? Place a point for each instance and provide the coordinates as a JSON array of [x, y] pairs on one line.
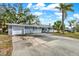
[[45, 45]]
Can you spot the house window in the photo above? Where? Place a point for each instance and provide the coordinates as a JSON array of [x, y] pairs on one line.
[[10, 27], [26, 27], [34, 28]]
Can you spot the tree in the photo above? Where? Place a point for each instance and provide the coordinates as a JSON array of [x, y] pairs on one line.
[[72, 24], [30, 19], [37, 21], [14, 13], [20, 8], [77, 27], [25, 15], [64, 8], [57, 26], [7, 16]]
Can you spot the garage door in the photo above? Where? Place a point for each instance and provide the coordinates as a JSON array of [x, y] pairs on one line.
[[17, 31]]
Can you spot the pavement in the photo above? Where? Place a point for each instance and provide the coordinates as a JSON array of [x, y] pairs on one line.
[[45, 45]]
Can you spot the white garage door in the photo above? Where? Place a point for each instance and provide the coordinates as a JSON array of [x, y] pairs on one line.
[[17, 31]]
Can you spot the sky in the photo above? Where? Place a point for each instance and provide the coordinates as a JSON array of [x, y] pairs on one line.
[[48, 14]]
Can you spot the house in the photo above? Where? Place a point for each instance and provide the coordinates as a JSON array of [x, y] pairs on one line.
[[19, 29], [70, 28]]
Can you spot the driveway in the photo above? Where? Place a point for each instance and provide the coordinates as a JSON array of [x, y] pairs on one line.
[[45, 45]]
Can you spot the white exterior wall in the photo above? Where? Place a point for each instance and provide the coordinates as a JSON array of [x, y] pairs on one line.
[[16, 30], [37, 30], [27, 30], [51, 30], [31, 30], [10, 30]]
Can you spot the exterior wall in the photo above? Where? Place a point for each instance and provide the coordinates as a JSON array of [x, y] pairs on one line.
[[16, 30], [37, 30], [27, 30], [32, 30], [51, 30], [9, 30], [44, 30], [19, 30]]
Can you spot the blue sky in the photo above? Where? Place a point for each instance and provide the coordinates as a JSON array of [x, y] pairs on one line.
[[48, 14]]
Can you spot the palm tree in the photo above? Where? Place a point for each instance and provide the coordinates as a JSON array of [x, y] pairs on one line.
[[8, 16], [57, 26], [77, 27], [37, 21], [30, 19], [72, 24], [20, 8], [4, 16], [64, 8]]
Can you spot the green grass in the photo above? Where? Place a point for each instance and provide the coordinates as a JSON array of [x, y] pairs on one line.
[[67, 34], [3, 33]]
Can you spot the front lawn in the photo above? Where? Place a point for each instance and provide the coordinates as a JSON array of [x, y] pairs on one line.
[[5, 45], [68, 34]]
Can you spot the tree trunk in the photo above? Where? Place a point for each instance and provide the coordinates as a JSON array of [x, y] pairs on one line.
[[29, 22], [63, 16], [58, 31]]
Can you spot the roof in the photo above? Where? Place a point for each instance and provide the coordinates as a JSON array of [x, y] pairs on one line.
[[43, 26]]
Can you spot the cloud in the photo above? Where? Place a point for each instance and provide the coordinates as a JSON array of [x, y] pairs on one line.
[[59, 17], [76, 15], [38, 13], [29, 5], [40, 4], [42, 21], [70, 18], [51, 7], [58, 14]]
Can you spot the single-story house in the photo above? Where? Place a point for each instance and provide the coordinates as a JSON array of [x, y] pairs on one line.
[[70, 28], [17, 29]]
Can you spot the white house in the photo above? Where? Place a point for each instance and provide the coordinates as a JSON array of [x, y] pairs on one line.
[[19, 29]]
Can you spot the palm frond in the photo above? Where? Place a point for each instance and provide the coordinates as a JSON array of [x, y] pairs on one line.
[[71, 10], [69, 5], [58, 8]]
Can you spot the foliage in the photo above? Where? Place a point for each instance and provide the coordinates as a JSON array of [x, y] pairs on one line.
[[57, 26], [14, 13], [72, 24], [64, 8], [77, 27]]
